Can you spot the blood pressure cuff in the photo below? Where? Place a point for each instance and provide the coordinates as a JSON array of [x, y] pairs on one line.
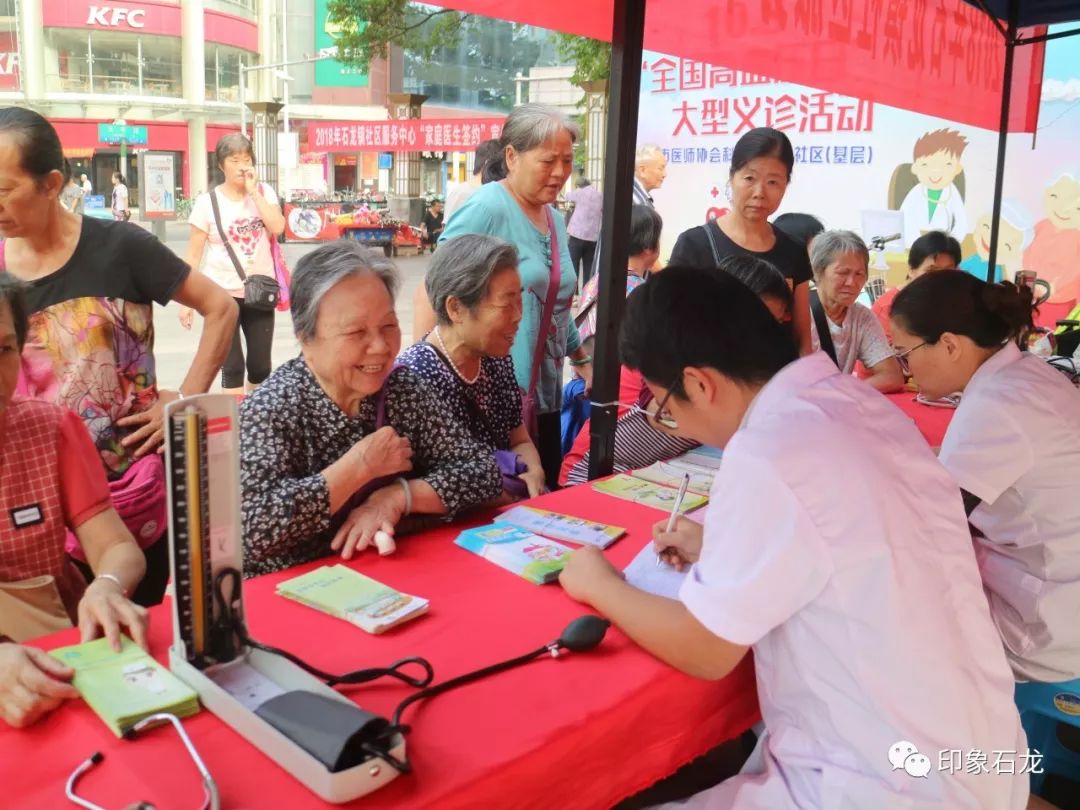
[[334, 732]]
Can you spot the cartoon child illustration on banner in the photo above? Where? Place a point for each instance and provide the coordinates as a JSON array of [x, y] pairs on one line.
[[1054, 253], [1014, 235], [935, 203]]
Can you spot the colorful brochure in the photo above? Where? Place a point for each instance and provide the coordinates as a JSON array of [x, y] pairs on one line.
[[700, 458], [668, 474], [562, 527], [647, 493], [528, 555], [124, 687], [349, 595]]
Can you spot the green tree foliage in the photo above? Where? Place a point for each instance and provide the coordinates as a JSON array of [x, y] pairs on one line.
[[591, 57], [370, 27]]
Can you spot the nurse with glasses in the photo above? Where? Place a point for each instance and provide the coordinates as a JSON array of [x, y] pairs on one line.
[[1013, 446]]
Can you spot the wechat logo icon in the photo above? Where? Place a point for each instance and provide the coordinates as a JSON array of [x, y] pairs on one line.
[[903, 755]]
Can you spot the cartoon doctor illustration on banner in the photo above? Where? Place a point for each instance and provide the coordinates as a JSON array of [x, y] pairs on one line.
[[935, 203]]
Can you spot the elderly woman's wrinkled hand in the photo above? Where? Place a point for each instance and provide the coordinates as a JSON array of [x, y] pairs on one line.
[[105, 610], [383, 452], [32, 684], [535, 481], [380, 512]]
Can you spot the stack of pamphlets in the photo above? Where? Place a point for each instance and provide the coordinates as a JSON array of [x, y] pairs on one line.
[[519, 551], [124, 687], [647, 493], [562, 527], [349, 595]]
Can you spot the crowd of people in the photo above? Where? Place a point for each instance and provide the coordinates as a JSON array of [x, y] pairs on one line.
[[887, 594]]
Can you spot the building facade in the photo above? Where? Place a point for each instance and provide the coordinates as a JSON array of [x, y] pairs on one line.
[[172, 70]]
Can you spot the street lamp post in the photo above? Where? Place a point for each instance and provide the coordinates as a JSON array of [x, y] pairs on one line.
[[246, 69]]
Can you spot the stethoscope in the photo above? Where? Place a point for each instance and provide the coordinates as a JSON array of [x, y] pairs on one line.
[[211, 799]]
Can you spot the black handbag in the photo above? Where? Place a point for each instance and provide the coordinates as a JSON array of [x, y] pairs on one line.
[[260, 292]]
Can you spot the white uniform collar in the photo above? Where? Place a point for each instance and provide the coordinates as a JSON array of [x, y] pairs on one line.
[[1006, 355], [788, 382]]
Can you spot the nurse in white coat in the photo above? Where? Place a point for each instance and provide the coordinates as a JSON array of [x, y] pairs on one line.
[[1014, 448], [836, 547]]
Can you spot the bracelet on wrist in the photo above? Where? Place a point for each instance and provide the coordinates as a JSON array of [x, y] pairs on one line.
[[408, 496], [112, 578], [584, 361]]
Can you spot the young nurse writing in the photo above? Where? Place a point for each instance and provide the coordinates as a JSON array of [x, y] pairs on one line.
[[859, 595], [1014, 448]]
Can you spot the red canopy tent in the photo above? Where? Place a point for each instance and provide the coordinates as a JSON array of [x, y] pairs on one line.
[[938, 57]]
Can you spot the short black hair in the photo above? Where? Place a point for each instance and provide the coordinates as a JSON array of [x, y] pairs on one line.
[[39, 146], [762, 277], [12, 293], [800, 227], [235, 143], [486, 151], [763, 142], [695, 317], [930, 244], [645, 228], [958, 302]]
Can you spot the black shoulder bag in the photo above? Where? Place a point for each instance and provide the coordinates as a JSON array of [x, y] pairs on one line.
[[822, 324], [260, 292]]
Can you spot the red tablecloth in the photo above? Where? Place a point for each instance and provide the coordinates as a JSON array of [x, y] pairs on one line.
[[931, 421], [583, 731]]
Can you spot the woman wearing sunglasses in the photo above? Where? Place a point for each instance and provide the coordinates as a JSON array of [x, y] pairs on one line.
[[1013, 446], [645, 431]]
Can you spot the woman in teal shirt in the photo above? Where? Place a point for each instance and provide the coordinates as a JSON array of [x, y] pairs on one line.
[[537, 151]]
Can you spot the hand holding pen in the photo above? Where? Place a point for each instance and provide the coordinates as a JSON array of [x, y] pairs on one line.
[[667, 551]]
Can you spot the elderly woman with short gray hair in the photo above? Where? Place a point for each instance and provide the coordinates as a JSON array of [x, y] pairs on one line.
[[475, 290], [538, 153], [340, 443], [840, 260]]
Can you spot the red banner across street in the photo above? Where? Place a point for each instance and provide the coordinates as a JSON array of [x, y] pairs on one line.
[[420, 135]]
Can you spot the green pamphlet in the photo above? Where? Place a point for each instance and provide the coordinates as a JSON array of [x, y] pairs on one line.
[[349, 595], [124, 687]]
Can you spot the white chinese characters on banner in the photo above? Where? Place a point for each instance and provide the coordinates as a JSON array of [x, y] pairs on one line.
[[402, 136]]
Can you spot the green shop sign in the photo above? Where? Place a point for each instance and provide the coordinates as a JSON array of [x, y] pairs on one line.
[[331, 72], [113, 133]]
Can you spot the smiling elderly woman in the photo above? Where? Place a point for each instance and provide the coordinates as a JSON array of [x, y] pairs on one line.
[[840, 261], [537, 158], [339, 443], [475, 290]]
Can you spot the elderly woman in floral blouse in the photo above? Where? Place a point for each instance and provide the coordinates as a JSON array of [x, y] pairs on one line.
[[340, 444]]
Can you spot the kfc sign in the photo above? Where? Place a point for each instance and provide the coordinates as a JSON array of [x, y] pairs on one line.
[[114, 17], [147, 17], [9, 61]]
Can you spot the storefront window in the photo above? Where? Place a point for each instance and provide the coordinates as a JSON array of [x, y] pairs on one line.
[[112, 63], [9, 46], [223, 72], [161, 67]]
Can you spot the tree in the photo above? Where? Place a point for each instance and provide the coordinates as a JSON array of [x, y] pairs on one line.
[[591, 57], [369, 27]]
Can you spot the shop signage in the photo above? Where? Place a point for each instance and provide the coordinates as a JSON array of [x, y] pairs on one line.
[[9, 61], [162, 19], [419, 135], [114, 133], [115, 17]]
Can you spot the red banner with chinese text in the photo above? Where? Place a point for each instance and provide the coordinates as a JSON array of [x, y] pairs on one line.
[[938, 57], [412, 135]]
